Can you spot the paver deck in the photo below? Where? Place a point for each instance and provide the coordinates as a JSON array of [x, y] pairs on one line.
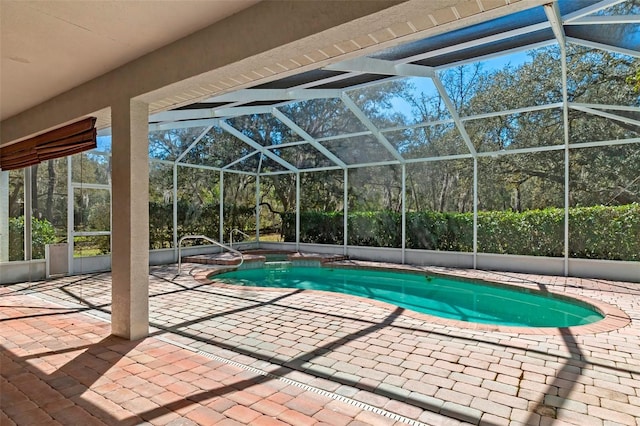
[[224, 355]]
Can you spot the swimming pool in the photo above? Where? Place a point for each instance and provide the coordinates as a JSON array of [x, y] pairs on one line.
[[434, 295]]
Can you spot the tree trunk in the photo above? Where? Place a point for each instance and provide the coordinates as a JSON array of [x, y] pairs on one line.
[[412, 185], [13, 198], [34, 191], [52, 182], [443, 193], [517, 201]]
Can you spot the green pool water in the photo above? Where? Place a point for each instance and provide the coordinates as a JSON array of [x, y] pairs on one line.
[[456, 299]]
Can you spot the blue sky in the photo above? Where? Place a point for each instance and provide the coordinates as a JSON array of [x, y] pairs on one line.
[[425, 85]]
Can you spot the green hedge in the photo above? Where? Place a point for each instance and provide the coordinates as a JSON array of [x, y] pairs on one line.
[[533, 232], [602, 232], [598, 232], [42, 232]]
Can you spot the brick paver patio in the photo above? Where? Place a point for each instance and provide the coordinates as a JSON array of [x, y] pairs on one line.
[[224, 355]]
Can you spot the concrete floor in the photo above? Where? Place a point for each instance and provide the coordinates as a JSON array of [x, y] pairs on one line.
[[219, 354]]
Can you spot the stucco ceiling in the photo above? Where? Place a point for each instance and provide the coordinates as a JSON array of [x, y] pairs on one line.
[[49, 47]]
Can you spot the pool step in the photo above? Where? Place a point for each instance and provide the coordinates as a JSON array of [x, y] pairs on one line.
[[280, 264], [257, 256]]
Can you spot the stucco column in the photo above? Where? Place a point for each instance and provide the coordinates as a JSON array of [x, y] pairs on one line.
[[130, 220], [4, 216]]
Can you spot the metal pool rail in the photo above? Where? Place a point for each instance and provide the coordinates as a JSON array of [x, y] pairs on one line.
[[211, 240], [237, 231]]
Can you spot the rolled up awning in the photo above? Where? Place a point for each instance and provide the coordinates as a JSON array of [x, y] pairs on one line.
[[68, 140]]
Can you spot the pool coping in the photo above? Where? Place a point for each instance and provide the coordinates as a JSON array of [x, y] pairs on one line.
[[614, 317]]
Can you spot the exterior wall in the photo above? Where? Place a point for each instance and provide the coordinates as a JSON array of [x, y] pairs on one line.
[[22, 271], [515, 263], [89, 265], [439, 258], [605, 269], [13, 272]]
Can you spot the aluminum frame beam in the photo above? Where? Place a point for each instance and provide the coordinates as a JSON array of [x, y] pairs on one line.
[[502, 53], [555, 19], [478, 42], [511, 111], [287, 144], [253, 95], [209, 116], [372, 127], [194, 143], [170, 125], [605, 20], [606, 114], [606, 106], [602, 46], [199, 166], [239, 160], [613, 142], [591, 9], [255, 145], [454, 114], [307, 137], [368, 65], [81, 185]]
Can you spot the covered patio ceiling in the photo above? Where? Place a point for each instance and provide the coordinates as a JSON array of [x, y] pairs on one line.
[[587, 23], [49, 47]]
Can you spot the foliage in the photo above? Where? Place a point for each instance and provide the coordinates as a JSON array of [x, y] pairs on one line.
[[315, 227], [440, 231], [91, 245], [203, 221], [598, 232], [634, 80], [533, 232], [42, 232], [375, 229]]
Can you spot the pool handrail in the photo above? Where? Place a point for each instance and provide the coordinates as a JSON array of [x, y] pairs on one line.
[[211, 240], [236, 230]]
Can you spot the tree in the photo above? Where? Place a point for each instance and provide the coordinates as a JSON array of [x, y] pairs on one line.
[[634, 80], [524, 181]]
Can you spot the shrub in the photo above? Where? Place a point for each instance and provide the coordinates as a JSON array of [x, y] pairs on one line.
[[598, 232], [531, 233], [602, 232], [42, 232], [194, 220]]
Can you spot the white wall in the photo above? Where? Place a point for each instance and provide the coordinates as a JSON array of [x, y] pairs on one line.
[[22, 271], [12, 272], [585, 268]]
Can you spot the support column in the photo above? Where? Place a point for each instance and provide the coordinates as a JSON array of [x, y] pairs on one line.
[[174, 221], [475, 212], [258, 207], [345, 209], [28, 213], [4, 216], [298, 211], [404, 211], [71, 227], [130, 220], [221, 202]]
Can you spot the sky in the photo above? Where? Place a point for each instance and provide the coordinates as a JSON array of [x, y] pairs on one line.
[[426, 86]]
